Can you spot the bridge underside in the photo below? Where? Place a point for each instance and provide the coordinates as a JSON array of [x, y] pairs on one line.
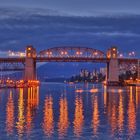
[[71, 59], [29, 65]]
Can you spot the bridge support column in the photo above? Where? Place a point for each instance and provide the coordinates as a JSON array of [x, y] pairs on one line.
[[113, 71], [113, 66], [30, 64], [30, 69]]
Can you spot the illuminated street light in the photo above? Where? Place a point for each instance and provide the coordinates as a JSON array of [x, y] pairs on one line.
[[130, 54], [121, 55], [95, 53], [62, 53], [78, 53], [29, 49]]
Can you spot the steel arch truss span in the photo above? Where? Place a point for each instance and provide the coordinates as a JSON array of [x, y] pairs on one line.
[[72, 52]]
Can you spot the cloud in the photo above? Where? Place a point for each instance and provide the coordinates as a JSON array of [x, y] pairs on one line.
[[74, 6], [98, 34]]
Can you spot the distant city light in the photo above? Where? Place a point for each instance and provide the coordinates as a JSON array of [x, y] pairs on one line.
[[49, 53], [96, 53], [16, 54], [62, 53], [114, 49], [121, 55], [125, 55]]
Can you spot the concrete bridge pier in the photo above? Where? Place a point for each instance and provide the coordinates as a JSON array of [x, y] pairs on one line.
[[113, 71], [112, 67], [30, 64]]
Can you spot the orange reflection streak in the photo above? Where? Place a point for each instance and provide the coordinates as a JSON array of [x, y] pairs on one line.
[[94, 90], [112, 113], [137, 97], [48, 117], [78, 90], [29, 116], [10, 115], [78, 117], [131, 115], [95, 116], [28, 120], [21, 118], [105, 95], [33, 97], [32, 103], [120, 114], [113, 119], [63, 118]]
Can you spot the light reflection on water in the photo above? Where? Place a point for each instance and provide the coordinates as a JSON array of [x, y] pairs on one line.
[[78, 116], [10, 114], [57, 111], [63, 122], [95, 120], [48, 120]]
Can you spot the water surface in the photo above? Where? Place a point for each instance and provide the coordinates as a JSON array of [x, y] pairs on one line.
[[61, 111]]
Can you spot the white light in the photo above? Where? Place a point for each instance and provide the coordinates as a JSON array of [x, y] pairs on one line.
[[121, 55]]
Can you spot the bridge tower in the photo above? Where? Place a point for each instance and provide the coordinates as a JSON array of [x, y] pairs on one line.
[[112, 66], [30, 64]]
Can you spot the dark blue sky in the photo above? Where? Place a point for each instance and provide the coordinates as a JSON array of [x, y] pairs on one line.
[[20, 26], [80, 7]]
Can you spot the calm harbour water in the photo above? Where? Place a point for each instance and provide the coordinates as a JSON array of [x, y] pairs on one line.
[[61, 111]]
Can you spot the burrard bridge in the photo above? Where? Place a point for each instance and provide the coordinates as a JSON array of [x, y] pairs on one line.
[[67, 54]]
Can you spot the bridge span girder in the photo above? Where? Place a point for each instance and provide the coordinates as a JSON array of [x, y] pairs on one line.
[[68, 54]]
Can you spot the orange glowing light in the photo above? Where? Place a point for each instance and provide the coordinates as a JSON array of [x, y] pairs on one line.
[[95, 53], [77, 53], [114, 49], [105, 95], [78, 90], [29, 49], [62, 53], [93, 90]]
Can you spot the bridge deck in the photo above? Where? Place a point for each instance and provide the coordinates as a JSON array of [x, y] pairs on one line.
[[12, 60], [67, 59], [72, 59]]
